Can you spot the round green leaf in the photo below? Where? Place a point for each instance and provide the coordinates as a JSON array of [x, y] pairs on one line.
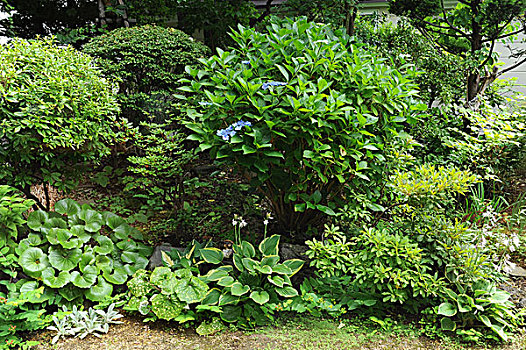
[[119, 276], [67, 207], [103, 262], [165, 308], [112, 221], [50, 280], [64, 259], [212, 255], [105, 246], [87, 258], [85, 279], [79, 232], [100, 291], [70, 292], [37, 219], [33, 260], [91, 218]]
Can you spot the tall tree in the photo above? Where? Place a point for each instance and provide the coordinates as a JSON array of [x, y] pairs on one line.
[[469, 31], [28, 18]]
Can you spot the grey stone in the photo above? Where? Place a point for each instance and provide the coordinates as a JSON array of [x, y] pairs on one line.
[[156, 258], [516, 271]]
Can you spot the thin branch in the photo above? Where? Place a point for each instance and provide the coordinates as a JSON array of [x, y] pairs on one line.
[[523, 29], [489, 54], [451, 24], [512, 67]]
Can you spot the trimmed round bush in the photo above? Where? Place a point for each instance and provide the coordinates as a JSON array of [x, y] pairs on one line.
[[148, 62], [57, 110]]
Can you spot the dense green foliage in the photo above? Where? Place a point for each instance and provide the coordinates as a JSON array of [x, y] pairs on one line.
[[469, 31], [58, 112], [299, 111], [148, 62]]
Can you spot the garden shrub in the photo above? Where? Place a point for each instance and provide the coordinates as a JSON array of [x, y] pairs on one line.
[[58, 113], [423, 258], [440, 78], [299, 111], [148, 62]]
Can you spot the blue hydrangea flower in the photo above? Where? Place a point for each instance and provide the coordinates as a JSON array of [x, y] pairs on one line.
[[229, 132], [240, 124], [272, 83]]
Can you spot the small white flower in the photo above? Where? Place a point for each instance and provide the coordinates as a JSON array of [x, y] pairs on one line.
[[265, 222], [234, 222], [243, 223]]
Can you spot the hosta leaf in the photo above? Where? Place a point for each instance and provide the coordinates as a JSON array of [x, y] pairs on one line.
[[64, 259], [227, 299], [215, 275], [67, 207], [226, 281], [276, 280], [105, 246], [269, 246], [91, 218], [33, 260], [282, 269], [85, 279], [447, 324], [238, 289], [165, 308], [248, 249], [267, 270], [447, 309], [231, 313], [99, 291], [238, 262], [50, 280], [37, 219], [294, 265], [287, 292], [270, 260], [260, 297], [212, 255], [212, 297], [249, 264]]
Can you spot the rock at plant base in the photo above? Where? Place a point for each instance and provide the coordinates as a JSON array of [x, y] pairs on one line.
[[515, 270], [156, 258]]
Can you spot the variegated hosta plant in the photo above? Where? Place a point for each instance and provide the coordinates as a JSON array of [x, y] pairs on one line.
[[164, 293], [79, 252], [244, 292]]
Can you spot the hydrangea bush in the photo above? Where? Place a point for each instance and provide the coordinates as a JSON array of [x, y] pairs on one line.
[[299, 110]]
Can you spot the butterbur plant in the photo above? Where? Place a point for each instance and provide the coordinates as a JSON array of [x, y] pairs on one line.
[[80, 253], [316, 109]]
